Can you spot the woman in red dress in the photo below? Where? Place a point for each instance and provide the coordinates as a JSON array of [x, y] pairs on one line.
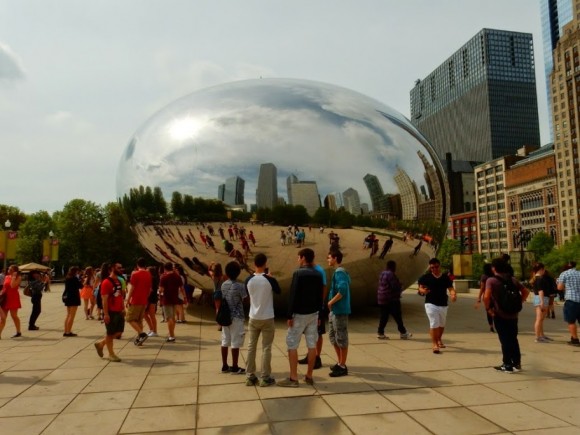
[[12, 302]]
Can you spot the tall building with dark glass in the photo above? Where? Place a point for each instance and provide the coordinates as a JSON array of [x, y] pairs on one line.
[[555, 14], [480, 103]]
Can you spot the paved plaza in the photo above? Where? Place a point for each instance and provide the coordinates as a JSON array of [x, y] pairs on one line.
[[50, 384]]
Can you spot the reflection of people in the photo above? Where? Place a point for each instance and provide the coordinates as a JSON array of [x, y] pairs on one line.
[[386, 247], [434, 285], [37, 285], [417, 249], [12, 302], [71, 298]]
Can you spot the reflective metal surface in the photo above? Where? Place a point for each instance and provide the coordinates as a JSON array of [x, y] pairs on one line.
[[281, 141]]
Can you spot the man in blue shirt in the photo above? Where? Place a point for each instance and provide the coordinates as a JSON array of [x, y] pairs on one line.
[[339, 308], [569, 280]]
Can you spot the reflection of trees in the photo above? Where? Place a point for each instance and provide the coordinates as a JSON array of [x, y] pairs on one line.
[[284, 215]]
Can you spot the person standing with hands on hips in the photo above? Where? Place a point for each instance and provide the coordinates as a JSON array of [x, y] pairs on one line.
[[434, 285]]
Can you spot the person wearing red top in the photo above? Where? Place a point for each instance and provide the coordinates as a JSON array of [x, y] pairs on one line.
[[137, 300], [113, 308], [170, 285]]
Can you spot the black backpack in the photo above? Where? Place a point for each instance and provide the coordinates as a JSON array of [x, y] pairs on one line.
[[224, 315], [509, 298]]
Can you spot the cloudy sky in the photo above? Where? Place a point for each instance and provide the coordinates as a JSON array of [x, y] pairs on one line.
[[78, 78]]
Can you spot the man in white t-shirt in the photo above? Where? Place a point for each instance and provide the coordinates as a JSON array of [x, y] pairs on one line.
[[260, 287]]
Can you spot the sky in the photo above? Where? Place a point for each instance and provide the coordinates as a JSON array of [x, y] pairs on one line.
[[78, 78]]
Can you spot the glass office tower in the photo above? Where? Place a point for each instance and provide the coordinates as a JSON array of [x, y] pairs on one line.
[[480, 103]]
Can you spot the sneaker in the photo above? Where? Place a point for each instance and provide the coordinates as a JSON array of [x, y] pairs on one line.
[[308, 380], [288, 383], [334, 367], [170, 339], [251, 381], [574, 342], [406, 336], [152, 334], [504, 368], [18, 334], [318, 363], [69, 334], [340, 371], [382, 337], [142, 337], [303, 360], [33, 328], [226, 369], [547, 338], [237, 371], [99, 350], [114, 358], [517, 367], [540, 340], [266, 382]]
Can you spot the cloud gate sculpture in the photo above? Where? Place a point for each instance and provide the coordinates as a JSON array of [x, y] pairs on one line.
[[261, 144]]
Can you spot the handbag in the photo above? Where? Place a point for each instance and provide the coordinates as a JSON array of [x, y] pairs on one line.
[[27, 291]]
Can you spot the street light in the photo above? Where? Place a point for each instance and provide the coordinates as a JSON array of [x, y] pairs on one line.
[[521, 238], [50, 247], [7, 225]]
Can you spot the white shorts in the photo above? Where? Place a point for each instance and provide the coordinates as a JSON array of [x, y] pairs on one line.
[[437, 315], [303, 323], [233, 335]]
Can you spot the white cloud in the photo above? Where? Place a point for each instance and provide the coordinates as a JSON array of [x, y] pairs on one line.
[[11, 68]]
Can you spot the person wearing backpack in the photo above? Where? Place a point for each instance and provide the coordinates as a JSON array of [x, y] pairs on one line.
[[503, 299]]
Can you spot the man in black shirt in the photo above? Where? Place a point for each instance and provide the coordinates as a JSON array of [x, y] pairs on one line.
[[304, 302], [434, 285]]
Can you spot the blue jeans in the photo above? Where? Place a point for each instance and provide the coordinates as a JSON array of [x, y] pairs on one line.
[[507, 332]]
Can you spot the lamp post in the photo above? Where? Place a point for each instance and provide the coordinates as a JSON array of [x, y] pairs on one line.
[[521, 238], [7, 225], [50, 248]]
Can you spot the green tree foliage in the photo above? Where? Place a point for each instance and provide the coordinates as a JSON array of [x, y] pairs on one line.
[[556, 259], [144, 204], [80, 228], [284, 215], [31, 234], [177, 205], [541, 244], [449, 247], [477, 262], [119, 242], [13, 214]]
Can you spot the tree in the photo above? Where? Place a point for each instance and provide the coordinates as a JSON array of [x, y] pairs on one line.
[[80, 230], [119, 242], [541, 244], [557, 258], [13, 214], [449, 247], [31, 234]]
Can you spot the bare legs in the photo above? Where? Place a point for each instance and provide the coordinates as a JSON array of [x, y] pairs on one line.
[[539, 323], [15, 319], [436, 334], [70, 318]]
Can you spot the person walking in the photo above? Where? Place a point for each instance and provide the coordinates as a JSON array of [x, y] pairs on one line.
[[137, 300], [170, 286], [389, 300], [569, 282], [112, 296], [11, 303], [505, 310], [434, 285], [71, 298], [261, 288], [37, 285]]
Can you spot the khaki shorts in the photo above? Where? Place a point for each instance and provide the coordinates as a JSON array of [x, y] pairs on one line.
[[135, 313]]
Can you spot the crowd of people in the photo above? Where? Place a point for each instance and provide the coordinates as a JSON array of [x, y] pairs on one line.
[[109, 295]]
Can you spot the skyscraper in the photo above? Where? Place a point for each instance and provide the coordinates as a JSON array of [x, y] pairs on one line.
[[234, 191], [555, 14], [565, 90], [289, 181], [376, 193], [305, 193], [481, 102], [267, 191], [351, 201]]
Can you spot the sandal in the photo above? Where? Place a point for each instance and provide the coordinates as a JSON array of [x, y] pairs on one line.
[[441, 346], [436, 350]]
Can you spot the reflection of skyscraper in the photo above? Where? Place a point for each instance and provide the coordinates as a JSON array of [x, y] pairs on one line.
[[289, 181], [306, 193], [433, 185], [333, 201], [409, 195], [351, 201], [375, 189], [267, 191], [234, 191], [221, 192]]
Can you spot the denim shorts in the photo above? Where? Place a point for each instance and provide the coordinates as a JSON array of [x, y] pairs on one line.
[[537, 301], [571, 312], [306, 324]]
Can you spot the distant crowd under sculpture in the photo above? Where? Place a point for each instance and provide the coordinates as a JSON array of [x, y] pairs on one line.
[[262, 143]]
